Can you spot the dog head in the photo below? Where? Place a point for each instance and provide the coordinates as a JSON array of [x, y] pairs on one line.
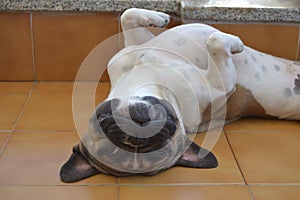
[[140, 137]]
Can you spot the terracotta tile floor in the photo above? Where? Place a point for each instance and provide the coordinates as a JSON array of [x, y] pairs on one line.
[[258, 159]]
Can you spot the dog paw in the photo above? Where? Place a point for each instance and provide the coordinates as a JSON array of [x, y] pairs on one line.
[[224, 41], [155, 19], [136, 17], [237, 46]]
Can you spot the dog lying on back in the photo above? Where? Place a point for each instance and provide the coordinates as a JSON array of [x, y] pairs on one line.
[[146, 132]]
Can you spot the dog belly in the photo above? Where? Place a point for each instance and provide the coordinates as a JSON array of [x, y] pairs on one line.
[[186, 43], [179, 46], [271, 81]]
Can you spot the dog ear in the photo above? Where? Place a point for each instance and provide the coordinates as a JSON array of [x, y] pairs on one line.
[[197, 157], [76, 168]]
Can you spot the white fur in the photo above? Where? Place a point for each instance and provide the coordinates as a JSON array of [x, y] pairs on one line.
[[213, 63]]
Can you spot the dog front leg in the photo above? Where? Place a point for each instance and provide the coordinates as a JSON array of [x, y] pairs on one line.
[[134, 22], [221, 70]]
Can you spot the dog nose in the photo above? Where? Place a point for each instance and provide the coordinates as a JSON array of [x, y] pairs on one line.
[[147, 109], [140, 112]]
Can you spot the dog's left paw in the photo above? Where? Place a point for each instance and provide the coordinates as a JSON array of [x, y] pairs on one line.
[[156, 19], [136, 17]]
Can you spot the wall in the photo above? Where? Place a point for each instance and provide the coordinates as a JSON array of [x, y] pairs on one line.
[[47, 46]]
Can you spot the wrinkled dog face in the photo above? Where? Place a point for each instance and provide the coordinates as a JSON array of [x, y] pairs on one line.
[[147, 124], [142, 137]]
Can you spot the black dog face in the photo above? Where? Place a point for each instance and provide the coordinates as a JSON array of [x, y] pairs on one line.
[[140, 138]]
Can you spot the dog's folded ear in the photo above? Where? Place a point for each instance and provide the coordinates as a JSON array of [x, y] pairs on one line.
[[197, 157], [76, 168]]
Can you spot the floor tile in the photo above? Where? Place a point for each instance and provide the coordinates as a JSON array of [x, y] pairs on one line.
[[103, 90], [226, 172], [184, 192], [254, 124], [267, 157], [12, 98], [35, 158], [58, 193], [3, 137], [50, 107], [10, 108], [15, 87], [276, 192], [85, 100], [84, 89]]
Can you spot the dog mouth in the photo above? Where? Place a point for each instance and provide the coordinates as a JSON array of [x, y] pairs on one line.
[[142, 144], [148, 126]]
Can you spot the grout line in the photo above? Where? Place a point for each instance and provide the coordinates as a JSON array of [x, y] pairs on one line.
[[274, 184], [182, 184], [17, 120], [118, 192], [61, 81], [44, 131], [298, 44], [118, 188], [263, 131], [155, 185], [64, 81], [119, 31], [59, 185], [68, 81], [250, 192], [234, 156], [54, 81], [32, 48], [5, 143], [24, 106], [5, 131], [239, 167]]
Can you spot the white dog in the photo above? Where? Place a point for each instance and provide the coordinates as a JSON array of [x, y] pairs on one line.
[[186, 79]]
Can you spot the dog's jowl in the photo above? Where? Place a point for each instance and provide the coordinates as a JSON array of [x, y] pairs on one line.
[[187, 79]]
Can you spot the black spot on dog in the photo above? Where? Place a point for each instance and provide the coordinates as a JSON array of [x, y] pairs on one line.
[[258, 77], [180, 42], [287, 92], [264, 68], [198, 60], [297, 63], [277, 68], [254, 58], [297, 85]]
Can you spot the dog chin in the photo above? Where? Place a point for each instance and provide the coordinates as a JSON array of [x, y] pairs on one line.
[[131, 164]]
